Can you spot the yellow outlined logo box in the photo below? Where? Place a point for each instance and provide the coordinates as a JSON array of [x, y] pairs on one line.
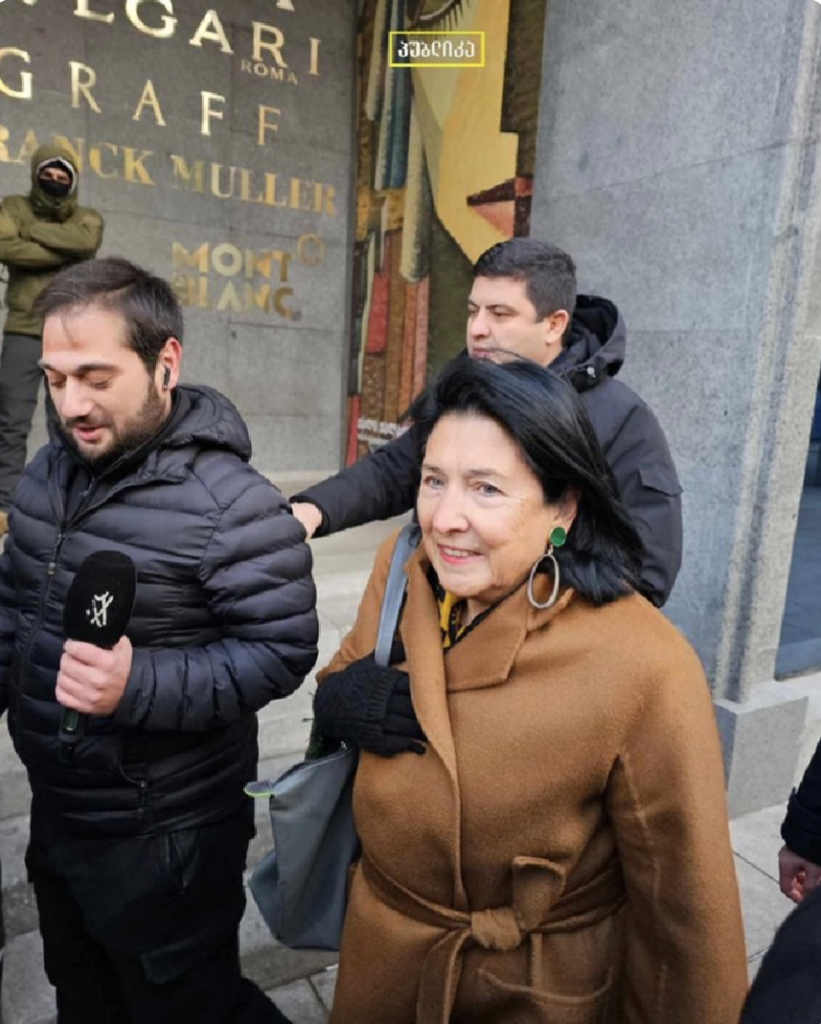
[[446, 45]]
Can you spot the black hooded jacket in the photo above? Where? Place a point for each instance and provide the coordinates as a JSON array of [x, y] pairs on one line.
[[385, 483], [801, 830], [224, 622], [787, 987]]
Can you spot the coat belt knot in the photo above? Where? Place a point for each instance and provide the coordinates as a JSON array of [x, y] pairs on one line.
[[496, 928], [541, 905]]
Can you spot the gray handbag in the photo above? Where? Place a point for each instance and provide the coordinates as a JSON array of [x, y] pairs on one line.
[[301, 886]]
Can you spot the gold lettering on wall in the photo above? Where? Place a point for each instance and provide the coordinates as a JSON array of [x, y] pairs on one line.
[[211, 29], [271, 191], [262, 70], [24, 91], [245, 187], [190, 176], [83, 79], [265, 124], [134, 169], [181, 257], [310, 250], [279, 304], [149, 99], [227, 259], [314, 69], [272, 46], [300, 194], [167, 25], [28, 149], [221, 187], [265, 275], [208, 112], [95, 160], [112, 161], [229, 300], [82, 10], [156, 18]]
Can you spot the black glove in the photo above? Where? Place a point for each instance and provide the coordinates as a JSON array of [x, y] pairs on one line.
[[369, 706]]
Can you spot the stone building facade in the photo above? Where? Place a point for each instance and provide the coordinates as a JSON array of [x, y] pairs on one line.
[[675, 154]]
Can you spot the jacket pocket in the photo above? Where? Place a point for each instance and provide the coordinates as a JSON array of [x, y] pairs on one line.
[[660, 478], [518, 1004], [180, 860]]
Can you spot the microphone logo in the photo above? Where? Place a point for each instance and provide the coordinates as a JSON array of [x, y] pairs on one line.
[[98, 612]]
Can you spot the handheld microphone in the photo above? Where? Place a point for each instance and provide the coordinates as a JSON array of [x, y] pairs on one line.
[[98, 606]]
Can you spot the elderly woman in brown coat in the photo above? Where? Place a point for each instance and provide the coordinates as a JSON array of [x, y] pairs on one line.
[[558, 851]]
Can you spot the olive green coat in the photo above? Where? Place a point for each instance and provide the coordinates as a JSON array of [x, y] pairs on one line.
[[39, 235], [561, 853]]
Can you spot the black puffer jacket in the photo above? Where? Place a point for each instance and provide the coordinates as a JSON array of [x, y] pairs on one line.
[[224, 622], [385, 483], [801, 829]]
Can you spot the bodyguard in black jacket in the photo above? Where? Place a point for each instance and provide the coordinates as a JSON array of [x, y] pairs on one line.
[[139, 833], [787, 988], [799, 861], [523, 303]]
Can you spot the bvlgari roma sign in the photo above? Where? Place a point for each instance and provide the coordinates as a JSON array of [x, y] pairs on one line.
[[245, 279]]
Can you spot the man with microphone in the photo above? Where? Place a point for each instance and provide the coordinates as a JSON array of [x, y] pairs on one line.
[[155, 592]]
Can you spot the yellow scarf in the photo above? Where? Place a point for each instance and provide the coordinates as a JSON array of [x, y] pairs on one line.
[[451, 608]]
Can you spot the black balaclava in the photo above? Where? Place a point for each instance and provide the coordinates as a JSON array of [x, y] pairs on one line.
[[57, 189], [52, 198]]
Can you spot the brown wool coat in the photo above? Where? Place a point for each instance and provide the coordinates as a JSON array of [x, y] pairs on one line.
[[560, 854]]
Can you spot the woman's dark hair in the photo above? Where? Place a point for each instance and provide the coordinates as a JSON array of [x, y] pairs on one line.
[[546, 419], [147, 303]]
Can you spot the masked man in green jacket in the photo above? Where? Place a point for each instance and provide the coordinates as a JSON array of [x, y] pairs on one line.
[[39, 235]]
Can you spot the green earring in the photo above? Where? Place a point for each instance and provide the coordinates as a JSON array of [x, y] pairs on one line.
[[558, 535]]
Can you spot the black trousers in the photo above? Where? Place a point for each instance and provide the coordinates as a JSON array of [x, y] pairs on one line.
[[145, 930], [787, 988], [20, 378]]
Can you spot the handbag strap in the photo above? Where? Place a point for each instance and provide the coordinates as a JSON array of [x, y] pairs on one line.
[[406, 544]]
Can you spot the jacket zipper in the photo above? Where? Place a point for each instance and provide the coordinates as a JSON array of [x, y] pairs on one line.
[[142, 790], [86, 508], [50, 570]]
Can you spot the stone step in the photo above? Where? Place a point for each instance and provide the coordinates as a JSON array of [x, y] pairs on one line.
[[29, 999], [301, 984]]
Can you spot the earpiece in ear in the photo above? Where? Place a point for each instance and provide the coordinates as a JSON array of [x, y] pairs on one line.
[[166, 378]]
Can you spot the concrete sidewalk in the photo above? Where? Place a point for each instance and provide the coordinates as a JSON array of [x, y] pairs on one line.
[[302, 984]]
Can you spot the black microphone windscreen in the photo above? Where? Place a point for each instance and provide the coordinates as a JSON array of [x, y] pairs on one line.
[[100, 599]]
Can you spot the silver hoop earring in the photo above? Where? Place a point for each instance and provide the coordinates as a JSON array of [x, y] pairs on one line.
[[556, 580]]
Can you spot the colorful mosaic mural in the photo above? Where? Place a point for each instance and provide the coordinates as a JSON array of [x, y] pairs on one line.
[[445, 169]]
